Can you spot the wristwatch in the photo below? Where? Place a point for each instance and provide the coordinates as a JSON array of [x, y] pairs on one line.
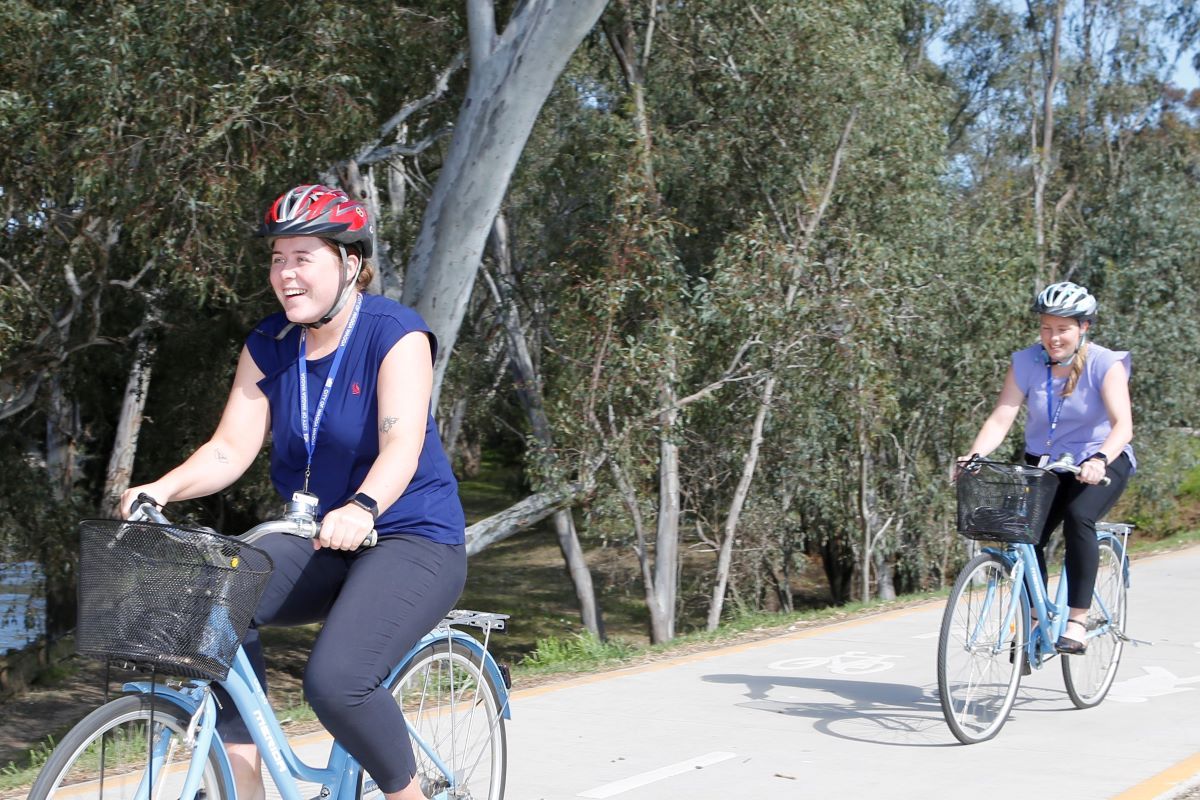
[[1099, 457], [365, 501]]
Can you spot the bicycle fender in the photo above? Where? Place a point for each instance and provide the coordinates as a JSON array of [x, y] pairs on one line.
[[467, 643], [1119, 549], [1004, 556], [189, 704], [493, 670]]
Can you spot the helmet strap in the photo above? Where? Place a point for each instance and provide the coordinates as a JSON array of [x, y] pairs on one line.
[[345, 289], [1069, 360]]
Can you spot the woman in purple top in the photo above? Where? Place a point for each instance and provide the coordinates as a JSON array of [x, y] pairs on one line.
[[1077, 394], [342, 383]]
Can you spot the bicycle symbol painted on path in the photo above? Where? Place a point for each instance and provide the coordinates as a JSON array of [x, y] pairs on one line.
[[853, 662]]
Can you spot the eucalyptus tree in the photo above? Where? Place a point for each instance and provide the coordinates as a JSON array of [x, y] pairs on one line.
[[134, 161]]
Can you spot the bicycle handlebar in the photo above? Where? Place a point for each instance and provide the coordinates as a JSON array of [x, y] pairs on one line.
[[1064, 464], [299, 519]]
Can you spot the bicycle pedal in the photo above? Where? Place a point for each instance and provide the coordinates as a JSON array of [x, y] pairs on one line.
[[1124, 637], [505, 674]]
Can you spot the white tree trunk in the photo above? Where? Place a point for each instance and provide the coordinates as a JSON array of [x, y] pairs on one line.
[[518, 517], [666, 542], [749, 464], [129, 425], [510, 78], [1044, 151]]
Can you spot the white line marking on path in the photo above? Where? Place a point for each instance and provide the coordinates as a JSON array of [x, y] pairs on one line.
[[622, 786]]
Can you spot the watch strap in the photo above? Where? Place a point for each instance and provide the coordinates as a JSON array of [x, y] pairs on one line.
[[1098, 457], [367, 503]]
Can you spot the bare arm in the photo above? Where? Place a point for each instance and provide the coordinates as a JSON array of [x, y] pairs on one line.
[[1115, 392], [228, 454], [998, 423], [405, 388]]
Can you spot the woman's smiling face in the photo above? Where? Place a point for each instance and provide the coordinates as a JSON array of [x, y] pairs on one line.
[[304, 276], [1061, 336]]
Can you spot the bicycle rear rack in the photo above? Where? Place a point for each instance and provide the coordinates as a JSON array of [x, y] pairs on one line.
[[484, 620]]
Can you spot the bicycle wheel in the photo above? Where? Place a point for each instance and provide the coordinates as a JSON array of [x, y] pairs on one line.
[[107, 756], [979, 657], [1089, 676], [449, 702]]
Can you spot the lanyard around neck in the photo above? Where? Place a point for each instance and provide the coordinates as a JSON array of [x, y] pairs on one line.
[[1052, 413], [310, 432]]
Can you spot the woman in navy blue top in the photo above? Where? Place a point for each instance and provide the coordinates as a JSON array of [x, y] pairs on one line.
[[342, 382]]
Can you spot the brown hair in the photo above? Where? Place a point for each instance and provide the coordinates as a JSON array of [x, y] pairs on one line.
[[366, 274], [1076, 369]]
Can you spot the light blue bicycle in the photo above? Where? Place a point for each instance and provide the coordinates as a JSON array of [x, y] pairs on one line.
[[986, 641], [160, 740]]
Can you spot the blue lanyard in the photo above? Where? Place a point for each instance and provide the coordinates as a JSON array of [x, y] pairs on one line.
[[1052, 414], [310, 433]]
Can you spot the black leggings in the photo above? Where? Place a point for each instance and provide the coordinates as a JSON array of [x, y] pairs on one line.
[[376, 605], [1078, 506]]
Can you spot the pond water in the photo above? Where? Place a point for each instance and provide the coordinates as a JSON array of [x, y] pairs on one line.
[[22, 605]]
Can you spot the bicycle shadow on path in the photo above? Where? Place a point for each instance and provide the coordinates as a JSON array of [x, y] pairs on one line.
[[892, 714]]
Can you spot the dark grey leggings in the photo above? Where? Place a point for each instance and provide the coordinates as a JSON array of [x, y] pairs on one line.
[[376, 604], [1078, 506]]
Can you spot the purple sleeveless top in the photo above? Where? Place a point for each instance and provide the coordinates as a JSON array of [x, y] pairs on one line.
[[1083, 421]]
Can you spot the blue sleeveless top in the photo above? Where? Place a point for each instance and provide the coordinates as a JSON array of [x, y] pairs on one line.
[[1083, 421], [348, 440]]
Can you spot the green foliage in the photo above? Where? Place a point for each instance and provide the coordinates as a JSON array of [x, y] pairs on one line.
[[580, 651], [18, 776], [707, 268]]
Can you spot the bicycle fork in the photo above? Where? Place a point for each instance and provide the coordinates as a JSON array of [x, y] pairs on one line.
[[198, 737]]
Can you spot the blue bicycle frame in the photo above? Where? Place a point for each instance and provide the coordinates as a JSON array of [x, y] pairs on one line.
[[1052, 616], [340, 775]]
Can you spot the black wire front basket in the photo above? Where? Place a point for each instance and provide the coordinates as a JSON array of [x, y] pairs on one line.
[[168, 598], [1004, 502]]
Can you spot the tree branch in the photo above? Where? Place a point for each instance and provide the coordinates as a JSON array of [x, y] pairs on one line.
[[481, 29]]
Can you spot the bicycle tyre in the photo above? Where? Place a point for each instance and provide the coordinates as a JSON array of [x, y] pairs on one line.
[[70, 769], [1088, 677], [449, 700], [979, 665]]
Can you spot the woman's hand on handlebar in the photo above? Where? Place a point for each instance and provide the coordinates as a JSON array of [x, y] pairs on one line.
[[960, 464], [129, 497], [345, 528], [1092, 471]]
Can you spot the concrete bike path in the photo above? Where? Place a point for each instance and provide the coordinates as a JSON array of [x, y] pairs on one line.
[[851, 709]]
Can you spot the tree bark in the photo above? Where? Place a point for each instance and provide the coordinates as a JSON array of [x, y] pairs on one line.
[[510, 78], [749, 464], [518, 517], [1043, 154], [666, 541], [129, 425]]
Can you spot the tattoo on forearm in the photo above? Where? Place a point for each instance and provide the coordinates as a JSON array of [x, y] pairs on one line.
[[221, 457], [387, 424]]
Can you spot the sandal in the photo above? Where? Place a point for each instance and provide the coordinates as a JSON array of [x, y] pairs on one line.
[[1072, 647]]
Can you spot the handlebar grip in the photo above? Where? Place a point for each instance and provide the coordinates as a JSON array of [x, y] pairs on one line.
[[372, 539], [146, 507]]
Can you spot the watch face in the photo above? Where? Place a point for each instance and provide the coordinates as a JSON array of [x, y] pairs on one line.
[[366, 502]]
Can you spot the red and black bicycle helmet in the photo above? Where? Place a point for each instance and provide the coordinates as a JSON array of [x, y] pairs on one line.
[[316, 210], [329, 214]]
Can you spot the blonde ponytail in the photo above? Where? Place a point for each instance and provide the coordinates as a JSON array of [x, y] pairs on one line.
[[1076, 369]]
